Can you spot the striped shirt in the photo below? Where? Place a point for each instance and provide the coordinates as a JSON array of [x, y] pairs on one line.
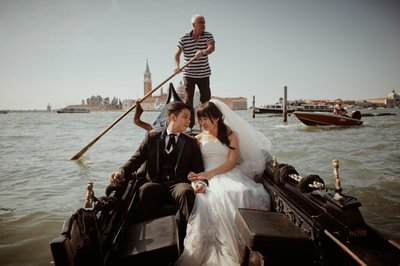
[[199, 68]]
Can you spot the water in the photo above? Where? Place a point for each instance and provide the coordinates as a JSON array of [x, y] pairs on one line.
[[40, 186]]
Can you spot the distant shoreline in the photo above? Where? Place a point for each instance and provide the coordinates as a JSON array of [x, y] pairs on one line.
[[118, 110]]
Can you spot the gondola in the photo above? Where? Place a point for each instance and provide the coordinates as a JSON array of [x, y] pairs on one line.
[[310, 224]]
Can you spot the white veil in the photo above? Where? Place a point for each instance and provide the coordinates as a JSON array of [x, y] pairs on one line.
[[254, 146]]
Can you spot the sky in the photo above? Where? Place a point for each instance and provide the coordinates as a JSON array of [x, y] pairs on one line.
[[60, 52]]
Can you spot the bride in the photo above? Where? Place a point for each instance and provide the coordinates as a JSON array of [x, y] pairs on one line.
[[233, 153]]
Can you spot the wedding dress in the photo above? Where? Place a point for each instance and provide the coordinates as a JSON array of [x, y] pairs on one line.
[[212, 237]]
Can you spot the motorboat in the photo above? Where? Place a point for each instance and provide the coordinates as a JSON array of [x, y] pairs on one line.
[[328, 119]]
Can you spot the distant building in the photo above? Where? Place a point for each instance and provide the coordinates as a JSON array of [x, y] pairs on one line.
[[48, 108], [148, 103], [322, 102], [236, 103], [147, 83], [392, 100], [151, 102], [127, 103]]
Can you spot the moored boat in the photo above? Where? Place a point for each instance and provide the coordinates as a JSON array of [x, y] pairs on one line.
[[314, 108], [326, 227], [278, 108], [324, 119], [273, 109], [73, 110]]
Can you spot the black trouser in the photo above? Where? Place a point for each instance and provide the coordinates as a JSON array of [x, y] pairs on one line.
[[204, 88], [152, 197]]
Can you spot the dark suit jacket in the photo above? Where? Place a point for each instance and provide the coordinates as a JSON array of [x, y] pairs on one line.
[[151, 149]]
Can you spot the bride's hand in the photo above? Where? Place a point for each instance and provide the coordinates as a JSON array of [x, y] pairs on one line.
[[199, 188], [204, 175]]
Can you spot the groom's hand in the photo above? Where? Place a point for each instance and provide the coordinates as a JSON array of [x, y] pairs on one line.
[[192, 176], [114, 177]]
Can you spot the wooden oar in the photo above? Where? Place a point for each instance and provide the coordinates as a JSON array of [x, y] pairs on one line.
[[81, 152]]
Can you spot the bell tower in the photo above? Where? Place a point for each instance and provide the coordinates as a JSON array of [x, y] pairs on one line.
[[147, 80]]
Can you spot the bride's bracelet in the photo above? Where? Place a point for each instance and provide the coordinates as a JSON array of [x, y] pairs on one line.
[[203, 181]]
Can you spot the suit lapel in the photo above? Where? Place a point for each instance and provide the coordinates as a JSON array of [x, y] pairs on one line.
[[160, 149]]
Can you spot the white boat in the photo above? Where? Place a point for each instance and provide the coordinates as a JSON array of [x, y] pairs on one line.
[[278, 108], [314, 108]]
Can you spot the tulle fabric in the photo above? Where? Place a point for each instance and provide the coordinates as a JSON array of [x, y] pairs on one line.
[[212, 237], [254, 146]]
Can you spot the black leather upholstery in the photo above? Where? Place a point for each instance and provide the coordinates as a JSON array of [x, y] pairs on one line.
[[273, 235], [153, 242]]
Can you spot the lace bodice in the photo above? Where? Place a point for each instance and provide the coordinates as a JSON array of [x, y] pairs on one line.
[[214, 154]]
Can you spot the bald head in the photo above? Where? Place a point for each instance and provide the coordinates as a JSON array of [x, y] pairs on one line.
[[194, 17]]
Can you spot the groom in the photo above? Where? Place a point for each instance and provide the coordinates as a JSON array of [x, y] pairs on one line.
[[170, 155]]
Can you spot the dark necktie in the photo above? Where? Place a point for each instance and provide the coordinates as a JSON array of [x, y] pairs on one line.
[[171, 143]]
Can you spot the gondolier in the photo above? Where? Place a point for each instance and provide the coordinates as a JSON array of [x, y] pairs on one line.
[[199, 44]]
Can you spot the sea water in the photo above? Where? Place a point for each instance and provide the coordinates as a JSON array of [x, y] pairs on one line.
[[41, 186]]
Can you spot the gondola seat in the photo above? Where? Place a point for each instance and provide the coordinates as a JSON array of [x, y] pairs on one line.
[[274, 236], [153, 242]]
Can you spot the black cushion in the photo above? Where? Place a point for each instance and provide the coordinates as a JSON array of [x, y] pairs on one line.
[[152, 242], [271, 233]]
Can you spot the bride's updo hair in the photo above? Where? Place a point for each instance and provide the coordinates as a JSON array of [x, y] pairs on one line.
[[210, 110]]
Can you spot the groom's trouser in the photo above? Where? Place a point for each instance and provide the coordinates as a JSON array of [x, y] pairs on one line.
[[152, 196]]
